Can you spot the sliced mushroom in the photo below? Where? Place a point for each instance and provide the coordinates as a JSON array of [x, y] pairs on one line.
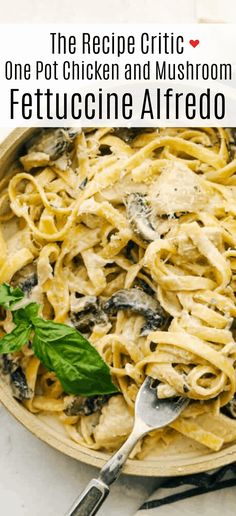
[[127, 134], [144, 286], [29, 283], [83, 183], [139, 216], [86, 312], [230, 408], [139, 302], [20, 388], [80, 406], [26, 278], [131, 251], [49, 142], [231, 131]]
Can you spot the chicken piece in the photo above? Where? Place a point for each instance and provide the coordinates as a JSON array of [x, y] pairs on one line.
[[177, 190], [115, 423]]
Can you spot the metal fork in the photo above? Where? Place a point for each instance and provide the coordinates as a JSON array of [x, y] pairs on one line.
[[151, 413]]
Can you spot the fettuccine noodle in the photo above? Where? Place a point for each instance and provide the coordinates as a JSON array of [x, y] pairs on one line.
[[112, 229]]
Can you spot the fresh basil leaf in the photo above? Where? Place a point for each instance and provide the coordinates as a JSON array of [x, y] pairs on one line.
[[16, 339], [26, 314], [75, 361], [9, 296], [60, 348]]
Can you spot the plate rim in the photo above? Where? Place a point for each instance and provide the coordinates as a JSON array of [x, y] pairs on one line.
[[154, 468]]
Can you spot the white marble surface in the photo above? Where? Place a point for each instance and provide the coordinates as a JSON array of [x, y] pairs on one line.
[[96, 11], [35, 480]]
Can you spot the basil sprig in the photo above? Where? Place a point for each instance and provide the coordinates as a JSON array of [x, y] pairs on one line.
[[9, 296], [60, 348]]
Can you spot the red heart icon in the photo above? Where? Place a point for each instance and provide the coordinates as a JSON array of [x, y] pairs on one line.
[[194, 42]]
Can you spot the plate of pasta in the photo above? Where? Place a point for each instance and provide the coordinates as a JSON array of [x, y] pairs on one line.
[[118, 261]]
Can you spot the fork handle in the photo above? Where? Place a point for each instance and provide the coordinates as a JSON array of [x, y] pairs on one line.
[[97, 490], [113, 467], [88, 503]]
